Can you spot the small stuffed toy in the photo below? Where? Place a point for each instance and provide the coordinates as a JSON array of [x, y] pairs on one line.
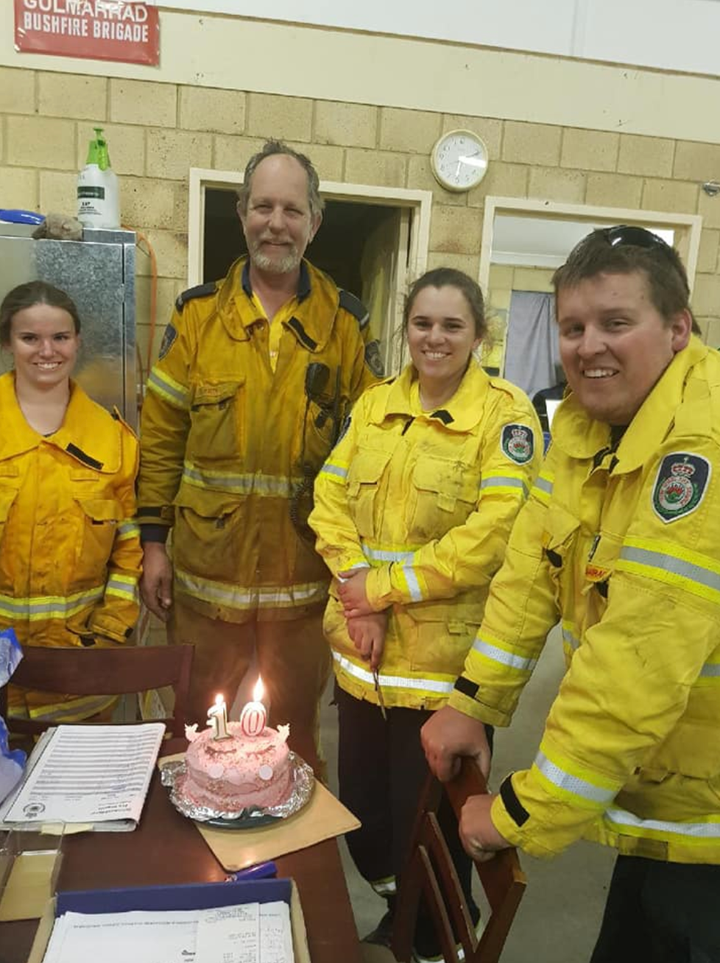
[[59, 227]]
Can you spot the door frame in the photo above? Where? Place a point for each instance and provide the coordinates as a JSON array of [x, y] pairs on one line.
[[686, 226]]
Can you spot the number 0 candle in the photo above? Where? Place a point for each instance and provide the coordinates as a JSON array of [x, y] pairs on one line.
[[253, 716]]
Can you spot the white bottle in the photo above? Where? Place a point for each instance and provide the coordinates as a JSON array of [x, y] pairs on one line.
[[98, 198]]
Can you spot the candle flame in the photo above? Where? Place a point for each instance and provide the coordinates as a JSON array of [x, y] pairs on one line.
[[219, 700], [259, 690]]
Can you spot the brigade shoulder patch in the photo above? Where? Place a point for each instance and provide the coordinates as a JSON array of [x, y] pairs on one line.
[[517, 443], [373, 359], [680, 486], [168, 340]]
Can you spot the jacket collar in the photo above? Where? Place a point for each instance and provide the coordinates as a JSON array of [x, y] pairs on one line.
[[312, 319], [579, 436], [461, 413], [81, 436]]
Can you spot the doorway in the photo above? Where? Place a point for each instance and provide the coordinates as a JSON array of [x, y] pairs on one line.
[[373, 242]]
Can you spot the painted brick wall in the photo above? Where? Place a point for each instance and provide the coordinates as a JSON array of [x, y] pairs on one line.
[[157, 131]]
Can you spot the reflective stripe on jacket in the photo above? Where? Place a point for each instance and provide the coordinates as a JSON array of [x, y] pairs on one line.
[[426, 500], [69, 542], [623, 545], [230, 447]]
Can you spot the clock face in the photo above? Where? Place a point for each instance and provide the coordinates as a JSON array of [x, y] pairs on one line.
[[459, 160]]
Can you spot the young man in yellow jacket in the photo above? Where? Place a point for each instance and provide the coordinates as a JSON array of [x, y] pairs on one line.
[[255, 376], [620, 541]]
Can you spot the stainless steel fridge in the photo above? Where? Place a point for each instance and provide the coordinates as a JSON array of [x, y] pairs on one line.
[[99, 275]]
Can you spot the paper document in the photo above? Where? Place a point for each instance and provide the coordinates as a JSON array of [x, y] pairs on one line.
[[87, 774], [250, 933]]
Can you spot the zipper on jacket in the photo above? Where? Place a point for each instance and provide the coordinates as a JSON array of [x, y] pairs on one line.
[[593, 547]]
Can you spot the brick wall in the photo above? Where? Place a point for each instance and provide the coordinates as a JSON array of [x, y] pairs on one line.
[[156, 131]]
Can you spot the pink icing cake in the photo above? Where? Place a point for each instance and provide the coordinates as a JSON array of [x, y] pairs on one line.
[[239, 772]]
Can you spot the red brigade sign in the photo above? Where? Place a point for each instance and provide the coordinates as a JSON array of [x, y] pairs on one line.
[[123, 30]]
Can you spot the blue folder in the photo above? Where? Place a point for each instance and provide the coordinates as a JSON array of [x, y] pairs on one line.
[[183, 897]]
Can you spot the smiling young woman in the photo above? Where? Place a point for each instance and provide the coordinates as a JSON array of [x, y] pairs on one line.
[[69, 544], [412, 511]]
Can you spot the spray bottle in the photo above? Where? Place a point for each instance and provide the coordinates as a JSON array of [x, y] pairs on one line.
[[97, 189]]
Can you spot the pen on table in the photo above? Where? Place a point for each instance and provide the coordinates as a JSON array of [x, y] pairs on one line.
[[266, 870]]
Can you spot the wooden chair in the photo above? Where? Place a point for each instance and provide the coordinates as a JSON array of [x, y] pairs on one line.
[[96, 671], [430, 873]]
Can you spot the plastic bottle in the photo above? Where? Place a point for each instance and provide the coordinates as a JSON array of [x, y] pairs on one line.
[[97, 189]]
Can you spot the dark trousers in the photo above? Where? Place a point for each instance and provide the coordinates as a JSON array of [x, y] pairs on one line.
[[660, 913], [381, 770]]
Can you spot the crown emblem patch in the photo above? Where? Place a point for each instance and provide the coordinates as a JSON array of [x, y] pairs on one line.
[[517, 443], [680, 486]]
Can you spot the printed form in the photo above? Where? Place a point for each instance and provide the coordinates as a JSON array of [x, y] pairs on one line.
[[87, 774], [250, 933]]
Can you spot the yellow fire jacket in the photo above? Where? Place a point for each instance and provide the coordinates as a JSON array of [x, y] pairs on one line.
[[69, 543], [426, 500], [624, 547], [230, 448]]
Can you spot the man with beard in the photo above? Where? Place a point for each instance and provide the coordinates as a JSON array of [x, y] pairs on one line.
[[255, 376]]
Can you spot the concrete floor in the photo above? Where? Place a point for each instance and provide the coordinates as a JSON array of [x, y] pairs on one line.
[[559, 917]]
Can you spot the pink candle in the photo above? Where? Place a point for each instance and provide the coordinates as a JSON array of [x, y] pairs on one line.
[[253, 715]]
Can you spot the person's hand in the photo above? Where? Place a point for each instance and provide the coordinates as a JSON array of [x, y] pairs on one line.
[[352, 593], [156, 581], [447, 736], [477, 831], [368, 634]]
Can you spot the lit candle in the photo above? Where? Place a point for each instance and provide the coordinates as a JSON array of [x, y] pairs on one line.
[[252, 718], [217, 718]]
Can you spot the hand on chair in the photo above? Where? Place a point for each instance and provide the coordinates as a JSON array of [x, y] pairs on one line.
[[447, 736], [477, 831]]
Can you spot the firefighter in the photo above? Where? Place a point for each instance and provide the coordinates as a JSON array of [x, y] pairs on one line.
[[413, 510], [69, 542], [620, 542], [254, 378]]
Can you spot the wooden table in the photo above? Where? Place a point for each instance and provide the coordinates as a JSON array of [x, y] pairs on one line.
[[166, 848]]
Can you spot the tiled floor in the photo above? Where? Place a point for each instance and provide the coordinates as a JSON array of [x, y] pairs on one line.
[[560, 914]]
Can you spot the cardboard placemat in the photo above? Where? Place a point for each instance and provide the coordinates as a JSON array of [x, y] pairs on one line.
[[29, 886], [322, 818]]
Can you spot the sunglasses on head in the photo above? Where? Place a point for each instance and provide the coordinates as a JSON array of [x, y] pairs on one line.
[[625, 234]]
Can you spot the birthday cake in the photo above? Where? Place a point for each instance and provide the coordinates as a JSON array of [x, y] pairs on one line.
[[238, 772]]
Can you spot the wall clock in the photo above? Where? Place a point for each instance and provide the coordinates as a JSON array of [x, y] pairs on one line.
[[459, 160]]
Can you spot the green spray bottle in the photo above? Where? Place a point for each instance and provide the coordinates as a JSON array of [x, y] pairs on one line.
[[98, 197]]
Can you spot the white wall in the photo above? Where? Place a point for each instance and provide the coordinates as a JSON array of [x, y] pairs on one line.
[[667, 34], [305, 61]]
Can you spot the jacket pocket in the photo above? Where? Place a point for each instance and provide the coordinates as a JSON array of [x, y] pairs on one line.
[[444, 492], [99, 518], [693, 747], [209, 537], [363, 489], [441, 633], [217, 430], [560, 543], [7, 497]]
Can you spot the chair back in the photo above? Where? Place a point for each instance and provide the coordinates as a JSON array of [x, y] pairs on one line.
[[430, 873], [102, 671]]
